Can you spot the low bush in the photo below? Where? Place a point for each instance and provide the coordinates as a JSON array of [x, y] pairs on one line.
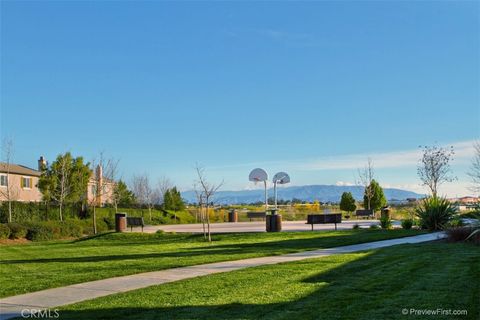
[[385, 222], [456, 222], [435, 213], [17, 231], [40, 231], [374, 226], [102, 226], [356, 226], [110, 222], [471, 215], [407, 224], [4, 231], [466, 233], [87, 226], [71, 229], [50, 230]]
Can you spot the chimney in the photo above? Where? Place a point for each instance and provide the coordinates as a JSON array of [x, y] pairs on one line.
[[99, 173], [99, 178], [42, 164]]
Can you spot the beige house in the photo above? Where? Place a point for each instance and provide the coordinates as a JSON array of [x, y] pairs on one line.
[[97, 180], [20, 183]]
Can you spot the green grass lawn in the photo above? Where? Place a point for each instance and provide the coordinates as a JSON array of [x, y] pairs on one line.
[[37, 266], [376, 284]]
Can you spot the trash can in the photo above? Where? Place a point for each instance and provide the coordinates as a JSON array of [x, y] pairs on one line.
[[385, 213], [274, 221], [233, 216], [120, 221]]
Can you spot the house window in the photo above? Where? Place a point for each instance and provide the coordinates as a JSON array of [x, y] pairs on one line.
[[26, 182], [3, 181], [94, 190]]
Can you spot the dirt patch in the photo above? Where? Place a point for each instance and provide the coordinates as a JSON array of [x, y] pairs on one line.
[[16, 241]]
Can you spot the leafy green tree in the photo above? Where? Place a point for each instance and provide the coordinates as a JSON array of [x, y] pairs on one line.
[[65, 181], [122, 196], [347, 202], [172, 200], [168, 200], [378, 199]]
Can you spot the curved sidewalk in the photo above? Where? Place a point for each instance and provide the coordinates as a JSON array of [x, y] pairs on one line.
[[51, 298]]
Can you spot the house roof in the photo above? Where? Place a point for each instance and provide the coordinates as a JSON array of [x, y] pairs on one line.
[[18, 169]]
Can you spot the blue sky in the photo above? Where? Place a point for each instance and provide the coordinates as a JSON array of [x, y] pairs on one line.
[[295, 86]]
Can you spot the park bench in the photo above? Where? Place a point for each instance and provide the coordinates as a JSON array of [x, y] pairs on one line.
[[135, 222], [256, 215], [364, 213], [324, 219]]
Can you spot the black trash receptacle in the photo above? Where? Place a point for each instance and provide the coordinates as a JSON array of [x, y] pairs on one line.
[[233, 216], [385, 213], [120, 222], [273, 221]]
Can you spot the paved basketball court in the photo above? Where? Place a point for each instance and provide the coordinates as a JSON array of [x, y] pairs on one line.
[[256, 226]]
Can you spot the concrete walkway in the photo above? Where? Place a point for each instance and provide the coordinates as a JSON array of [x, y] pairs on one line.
[[51, 298]]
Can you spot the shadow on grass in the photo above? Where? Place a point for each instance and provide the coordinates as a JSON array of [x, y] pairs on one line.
[[370, 287], [260, 249], [257, 249], [92, 237]]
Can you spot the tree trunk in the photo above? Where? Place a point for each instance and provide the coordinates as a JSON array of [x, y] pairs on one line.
[[60, 209], [208, 225], [94, 220], [9, 211], [202, 216]]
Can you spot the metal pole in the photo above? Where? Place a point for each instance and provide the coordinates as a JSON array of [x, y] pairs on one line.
[[275, 189], [266, 197]]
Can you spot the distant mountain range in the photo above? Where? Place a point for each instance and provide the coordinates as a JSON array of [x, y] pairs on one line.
[[323, 193]]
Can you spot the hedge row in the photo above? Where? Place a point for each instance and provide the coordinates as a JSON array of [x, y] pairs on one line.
[[52, 230], [23, 212]]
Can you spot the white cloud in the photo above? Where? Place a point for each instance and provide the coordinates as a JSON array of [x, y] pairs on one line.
[[464, 151], [408, 159], [344, 183]]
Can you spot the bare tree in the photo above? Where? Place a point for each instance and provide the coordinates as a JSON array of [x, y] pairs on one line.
[[163, 184], [62, 180], [199, 211], [105, 172], [10, 192], [434, 168], [366, 176], [208, 190], [143, 192], [474, 172]]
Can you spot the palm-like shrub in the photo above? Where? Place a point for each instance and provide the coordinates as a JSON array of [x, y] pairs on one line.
[[435, 213], [407, 224]]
